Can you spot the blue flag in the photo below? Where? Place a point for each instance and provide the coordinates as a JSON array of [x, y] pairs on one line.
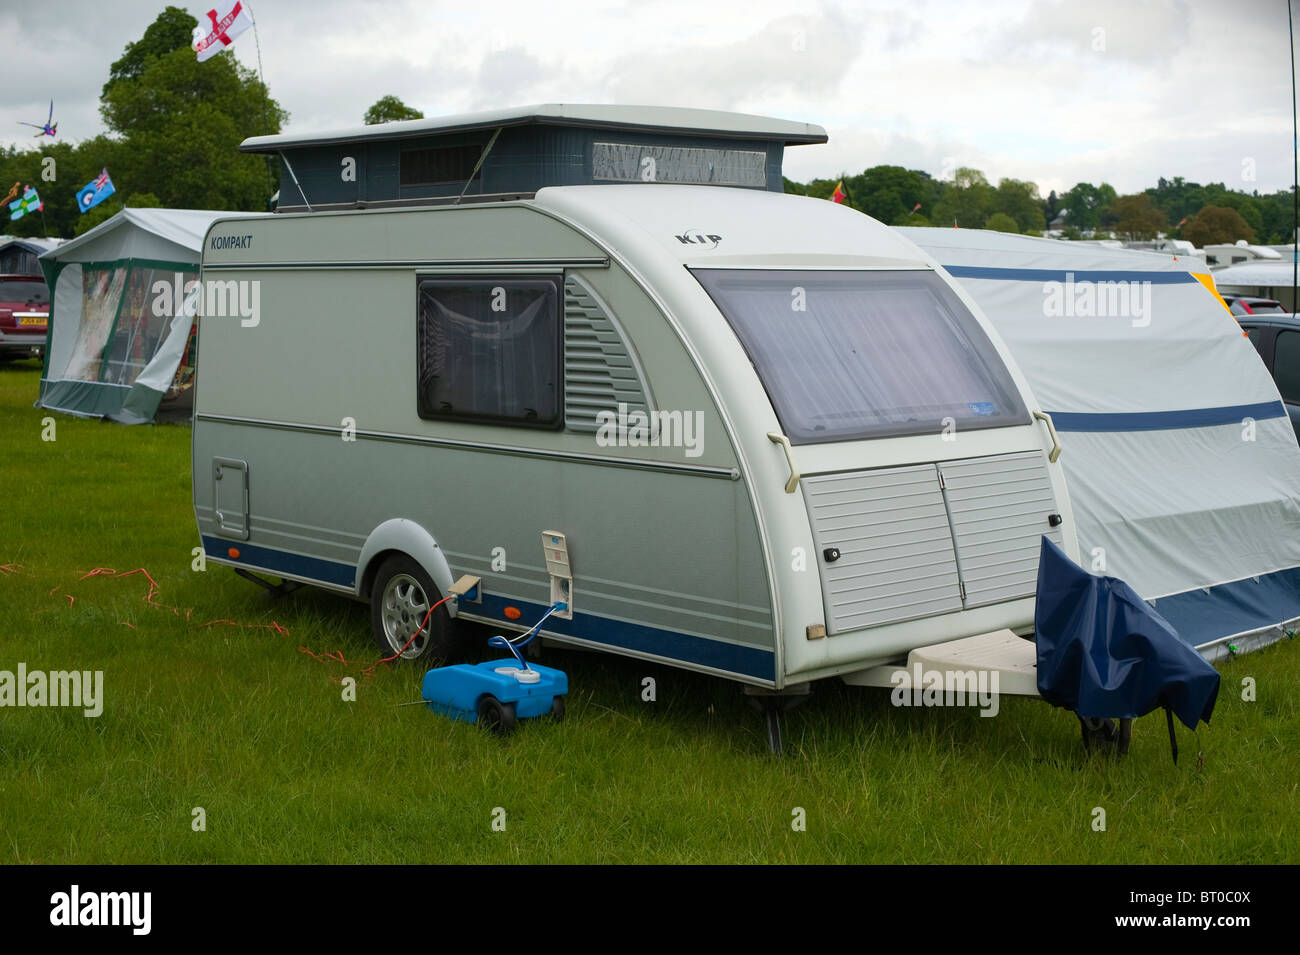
[[95, 191]]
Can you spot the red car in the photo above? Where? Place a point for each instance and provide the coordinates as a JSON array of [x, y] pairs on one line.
[[24, 316]]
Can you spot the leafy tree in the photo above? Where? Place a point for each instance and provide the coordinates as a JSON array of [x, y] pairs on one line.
[[967, 202], [1277, 218], [1215, 225], [173, 30], [1086, 202], [1020, 201], [1001, 222], [1135, 217], [1179, 199], [101, 213], [887, 193], [794, 188], [181, 122], [390, 109], [1244, 205]]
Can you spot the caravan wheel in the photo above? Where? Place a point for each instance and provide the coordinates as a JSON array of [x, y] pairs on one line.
[[399, 599]]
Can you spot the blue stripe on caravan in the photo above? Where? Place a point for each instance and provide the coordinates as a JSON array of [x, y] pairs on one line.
[[1166, 420], [1077, 275], [701, 651], [1201, 616], [313, 568]]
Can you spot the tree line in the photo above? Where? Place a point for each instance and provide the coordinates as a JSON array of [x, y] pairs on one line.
[[1173, 207]]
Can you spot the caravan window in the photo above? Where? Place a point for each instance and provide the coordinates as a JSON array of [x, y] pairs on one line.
[[426, 167], [489, 350], [850, 355]]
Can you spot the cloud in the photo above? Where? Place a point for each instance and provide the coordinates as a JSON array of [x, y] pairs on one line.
[[1017, 88], [805, 55], [1146, 33], [504, 76]]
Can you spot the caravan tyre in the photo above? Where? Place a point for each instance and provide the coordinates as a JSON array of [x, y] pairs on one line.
[[400, 598]]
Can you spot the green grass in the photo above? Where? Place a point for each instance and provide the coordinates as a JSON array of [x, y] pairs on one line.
[[239, 721]]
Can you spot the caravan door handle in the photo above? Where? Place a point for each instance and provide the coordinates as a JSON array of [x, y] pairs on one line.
[[777, 438], [1051, 430]]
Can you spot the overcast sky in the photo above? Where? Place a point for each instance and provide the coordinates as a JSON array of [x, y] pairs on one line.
[[1055, 92]]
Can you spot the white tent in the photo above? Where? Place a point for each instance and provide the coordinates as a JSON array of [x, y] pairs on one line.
[[118, 345], [1182, 467]]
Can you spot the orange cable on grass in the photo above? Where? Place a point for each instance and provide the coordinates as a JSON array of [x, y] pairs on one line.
[[155, 589], [335, 656], [97, 572], [273, 625]]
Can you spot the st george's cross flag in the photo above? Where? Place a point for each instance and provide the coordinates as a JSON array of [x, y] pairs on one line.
[[219, 27]]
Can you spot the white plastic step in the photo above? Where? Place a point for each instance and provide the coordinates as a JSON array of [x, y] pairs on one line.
[[1012, 658]]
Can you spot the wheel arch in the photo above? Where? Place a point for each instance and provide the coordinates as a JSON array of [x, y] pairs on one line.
[[402, 536]]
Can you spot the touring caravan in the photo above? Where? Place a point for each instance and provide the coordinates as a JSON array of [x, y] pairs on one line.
[[596, 352]]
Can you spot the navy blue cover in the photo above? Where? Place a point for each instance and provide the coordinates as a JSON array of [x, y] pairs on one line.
[[1104, 653]]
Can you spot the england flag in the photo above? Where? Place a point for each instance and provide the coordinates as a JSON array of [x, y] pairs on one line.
[[223, 24]]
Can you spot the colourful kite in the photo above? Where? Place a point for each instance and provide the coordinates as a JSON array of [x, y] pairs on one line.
[[28, 202], [49, 128], [839, 195], [95, 191]]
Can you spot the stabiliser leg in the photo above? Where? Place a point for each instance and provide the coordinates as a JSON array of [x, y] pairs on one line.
[[772, 703], [275, 590]]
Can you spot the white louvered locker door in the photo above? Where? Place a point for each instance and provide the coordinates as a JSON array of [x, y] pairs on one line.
[[999, 508], [896, 552]]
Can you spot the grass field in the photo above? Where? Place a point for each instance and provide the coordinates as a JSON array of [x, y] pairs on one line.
[[237, 719]]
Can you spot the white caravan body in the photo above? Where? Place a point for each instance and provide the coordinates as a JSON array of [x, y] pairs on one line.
[[772, 526]]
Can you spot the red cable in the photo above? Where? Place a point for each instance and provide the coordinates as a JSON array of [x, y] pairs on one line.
[[371, 668]]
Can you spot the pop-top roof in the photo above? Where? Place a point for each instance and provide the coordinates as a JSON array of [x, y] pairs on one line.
[[671, 119]]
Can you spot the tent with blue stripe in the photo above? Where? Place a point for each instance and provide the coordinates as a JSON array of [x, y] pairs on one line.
[[1182, 467]]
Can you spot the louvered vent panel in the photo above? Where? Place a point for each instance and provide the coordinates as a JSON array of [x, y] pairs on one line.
[[599, 372]]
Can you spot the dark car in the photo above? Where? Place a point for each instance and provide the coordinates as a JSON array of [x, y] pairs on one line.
[[1277, 339], [1252, 305], [24, 316]]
